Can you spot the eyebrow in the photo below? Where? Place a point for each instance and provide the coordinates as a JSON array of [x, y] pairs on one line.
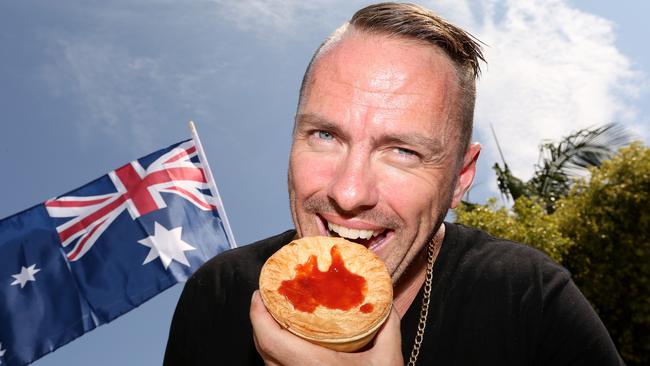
[[315, 121], [432, 145]]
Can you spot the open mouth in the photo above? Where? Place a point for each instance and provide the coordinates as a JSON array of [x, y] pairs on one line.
[[371, 239]]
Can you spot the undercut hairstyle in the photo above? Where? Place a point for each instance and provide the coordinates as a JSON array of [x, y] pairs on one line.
[[413, 22]]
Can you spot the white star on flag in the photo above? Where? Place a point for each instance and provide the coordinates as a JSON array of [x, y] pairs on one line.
[[166, 244], [25, 275]]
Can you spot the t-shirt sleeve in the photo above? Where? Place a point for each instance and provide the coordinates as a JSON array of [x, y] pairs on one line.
[[572, 332]]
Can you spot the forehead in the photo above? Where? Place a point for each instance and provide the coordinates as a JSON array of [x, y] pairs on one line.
[[382, 80]]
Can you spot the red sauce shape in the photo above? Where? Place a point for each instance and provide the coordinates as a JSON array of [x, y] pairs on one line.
[[366, 308], [337, 288]]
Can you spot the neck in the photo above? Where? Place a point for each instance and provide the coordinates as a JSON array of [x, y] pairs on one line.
[[412, 280]]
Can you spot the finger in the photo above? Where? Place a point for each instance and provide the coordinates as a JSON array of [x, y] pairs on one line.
[[260, 316], [261, 326], [261, 323], [389, 335], [277, 345], [388, 342]]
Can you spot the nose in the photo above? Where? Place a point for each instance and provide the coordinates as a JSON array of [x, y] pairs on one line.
[[354, 187]]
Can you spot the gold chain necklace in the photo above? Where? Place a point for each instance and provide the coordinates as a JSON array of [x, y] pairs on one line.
[[424, 311]]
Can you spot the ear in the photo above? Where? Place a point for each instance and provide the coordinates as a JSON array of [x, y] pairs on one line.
[[467, 173]]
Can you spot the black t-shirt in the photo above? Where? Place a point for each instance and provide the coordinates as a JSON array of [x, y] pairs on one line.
[[493, 302]]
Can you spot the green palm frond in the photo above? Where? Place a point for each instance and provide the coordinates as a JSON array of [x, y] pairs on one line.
[[560, 163], [509, 185]]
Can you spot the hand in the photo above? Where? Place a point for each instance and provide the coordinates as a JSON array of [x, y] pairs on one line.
[[278, 346]]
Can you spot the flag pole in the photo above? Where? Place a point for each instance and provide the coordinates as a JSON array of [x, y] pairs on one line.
[[212, 184]]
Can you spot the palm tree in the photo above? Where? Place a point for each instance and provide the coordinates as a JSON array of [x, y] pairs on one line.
[[560, 163]]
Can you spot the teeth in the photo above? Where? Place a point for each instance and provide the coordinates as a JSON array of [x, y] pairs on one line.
[[348, 233]]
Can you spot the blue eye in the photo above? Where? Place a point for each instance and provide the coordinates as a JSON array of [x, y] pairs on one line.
[[325, 135], [405, 152]]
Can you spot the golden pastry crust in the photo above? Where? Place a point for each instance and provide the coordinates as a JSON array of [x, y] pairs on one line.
[[324, 324]]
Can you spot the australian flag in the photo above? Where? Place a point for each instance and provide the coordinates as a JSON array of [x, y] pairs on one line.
[[84, 258]]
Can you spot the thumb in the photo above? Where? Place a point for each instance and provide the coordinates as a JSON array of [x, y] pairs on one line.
[[388, 342]]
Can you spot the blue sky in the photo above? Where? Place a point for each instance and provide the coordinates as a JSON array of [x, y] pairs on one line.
[[86, 86]]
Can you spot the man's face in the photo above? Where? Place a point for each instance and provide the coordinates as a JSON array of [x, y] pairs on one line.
[[375, 150]]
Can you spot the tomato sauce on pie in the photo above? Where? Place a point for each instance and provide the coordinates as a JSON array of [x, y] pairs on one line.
[[336, 288]]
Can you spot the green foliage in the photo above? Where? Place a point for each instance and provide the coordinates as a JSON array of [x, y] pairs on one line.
[[609, 220], [601, 232], [527, 223]]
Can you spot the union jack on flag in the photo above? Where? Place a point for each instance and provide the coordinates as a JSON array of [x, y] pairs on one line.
[[137, 190], [84, 258]]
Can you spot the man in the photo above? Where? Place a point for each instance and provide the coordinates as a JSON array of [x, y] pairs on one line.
[[381, 151]]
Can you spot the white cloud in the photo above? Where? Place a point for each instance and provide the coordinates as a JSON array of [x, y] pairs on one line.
[[552, 69]]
